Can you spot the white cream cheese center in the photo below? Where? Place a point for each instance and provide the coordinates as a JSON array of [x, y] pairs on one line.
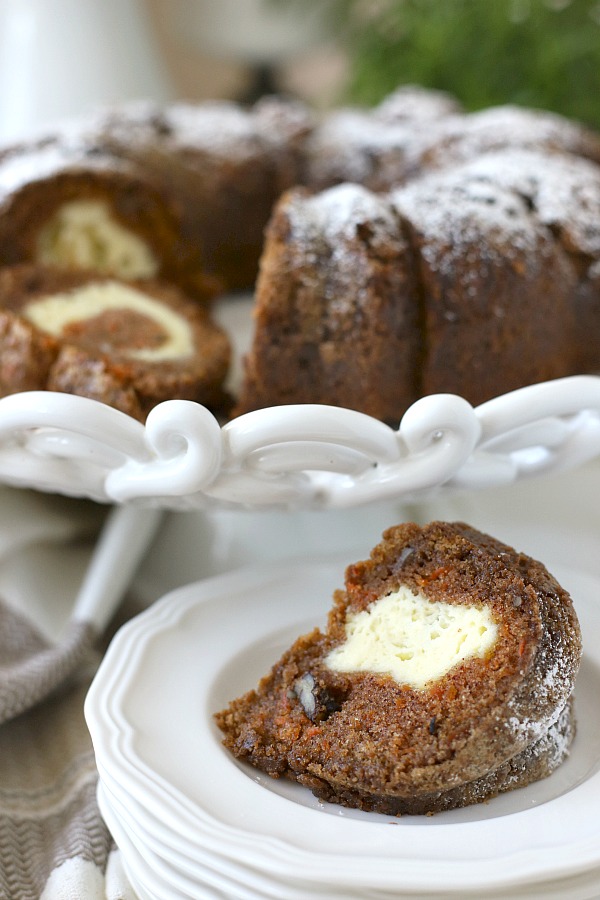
[[83, 234], [412, 638], [54, 313]]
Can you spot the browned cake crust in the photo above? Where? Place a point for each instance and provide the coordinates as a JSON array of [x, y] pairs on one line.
[[92, 356], [490, 724], [563, 196], [495, 285], [476, 280], [335, 320]]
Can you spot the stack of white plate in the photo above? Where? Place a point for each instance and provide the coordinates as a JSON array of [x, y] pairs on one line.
[[191, 822]]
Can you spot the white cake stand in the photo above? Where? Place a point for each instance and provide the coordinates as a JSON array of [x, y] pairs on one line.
[[300, 456]]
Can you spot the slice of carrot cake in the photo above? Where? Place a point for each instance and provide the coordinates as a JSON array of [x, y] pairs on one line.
[[444, 677]]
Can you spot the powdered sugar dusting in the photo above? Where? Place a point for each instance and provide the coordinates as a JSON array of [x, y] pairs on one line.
[[46, 162], [353, 145], [462, 216], [417, 104], [336, 213], [463, 137], [562, 191], [552, 678], [410, 133], [231, 131], [219, 128]]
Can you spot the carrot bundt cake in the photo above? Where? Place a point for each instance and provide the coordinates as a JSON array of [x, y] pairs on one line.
[[476, 280], [130, 344], [444, 677], [410, 248]]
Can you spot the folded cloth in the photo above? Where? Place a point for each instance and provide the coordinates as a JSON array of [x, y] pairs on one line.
[[29, 667], [53, 841], [48, 776], [54, 844]]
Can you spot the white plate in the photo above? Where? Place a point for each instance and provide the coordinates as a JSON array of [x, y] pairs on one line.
[[193, 874], [150, 715], [131, 822], [141, 873], [190, 864]]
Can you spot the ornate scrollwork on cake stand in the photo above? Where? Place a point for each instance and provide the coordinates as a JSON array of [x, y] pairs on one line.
[[294, 456]]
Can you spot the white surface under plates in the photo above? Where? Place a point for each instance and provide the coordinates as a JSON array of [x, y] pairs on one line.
[[150, 715]]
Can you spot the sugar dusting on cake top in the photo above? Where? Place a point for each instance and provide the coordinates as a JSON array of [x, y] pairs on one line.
[[408, 134], [560, 192], [355, 145], [563, 190], [457, 138], [219, 129], [467, 220], [222, 127], [417, 104], [336, 213], [52, 158]]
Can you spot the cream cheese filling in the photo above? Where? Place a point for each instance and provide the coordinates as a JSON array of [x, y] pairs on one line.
[[83, 234], [412, 638], [56, 312]]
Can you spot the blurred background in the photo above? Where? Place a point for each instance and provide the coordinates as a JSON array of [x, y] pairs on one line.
[[59, 57], [542, 53]]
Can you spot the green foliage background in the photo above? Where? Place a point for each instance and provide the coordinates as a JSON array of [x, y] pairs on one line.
[[542, 53]]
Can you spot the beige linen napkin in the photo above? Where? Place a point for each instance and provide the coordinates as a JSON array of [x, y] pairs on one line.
[[53, 842]]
